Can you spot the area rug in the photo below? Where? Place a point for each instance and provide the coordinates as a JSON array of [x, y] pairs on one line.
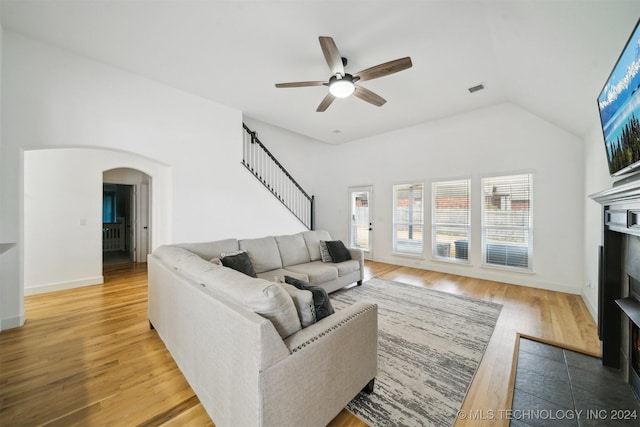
[[430, 344]]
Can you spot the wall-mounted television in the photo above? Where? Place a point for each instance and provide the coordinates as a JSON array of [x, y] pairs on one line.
[[619, 105]]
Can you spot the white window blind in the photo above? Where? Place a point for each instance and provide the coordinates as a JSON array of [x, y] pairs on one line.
[[451, 219], [507, 221], [408, 216]]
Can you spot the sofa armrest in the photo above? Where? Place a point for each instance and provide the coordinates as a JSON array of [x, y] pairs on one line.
[[309, 336], [357, 254], [331, 360]]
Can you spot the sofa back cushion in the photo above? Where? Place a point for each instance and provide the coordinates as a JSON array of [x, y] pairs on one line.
[[312, 240], [184, 261], [263, 253], [211, 250], [265, 298], [293, 249]]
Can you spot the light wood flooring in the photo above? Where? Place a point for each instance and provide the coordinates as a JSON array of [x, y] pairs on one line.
[[86, 356]]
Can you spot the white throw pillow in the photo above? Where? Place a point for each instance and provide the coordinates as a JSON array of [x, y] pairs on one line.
[[303, 300], [324, 252]]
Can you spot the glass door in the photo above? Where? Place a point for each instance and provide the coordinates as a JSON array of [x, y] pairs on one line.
[[361, 219]]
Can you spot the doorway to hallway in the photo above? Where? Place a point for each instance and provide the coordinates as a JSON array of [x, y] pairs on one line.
[[125, 216]]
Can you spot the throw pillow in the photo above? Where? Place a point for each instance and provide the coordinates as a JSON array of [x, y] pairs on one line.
[[324, 252], [239, 262], [321, 300], [303, 300], [338, 251]]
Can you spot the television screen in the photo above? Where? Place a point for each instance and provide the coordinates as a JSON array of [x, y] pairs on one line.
[[619, 104]]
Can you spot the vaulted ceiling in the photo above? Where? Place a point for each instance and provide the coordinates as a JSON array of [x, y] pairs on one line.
[[551, 57]]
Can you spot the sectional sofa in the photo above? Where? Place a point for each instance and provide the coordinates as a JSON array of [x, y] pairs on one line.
[[240, 340]]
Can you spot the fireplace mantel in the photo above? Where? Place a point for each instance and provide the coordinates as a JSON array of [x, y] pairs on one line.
[[623, 190]]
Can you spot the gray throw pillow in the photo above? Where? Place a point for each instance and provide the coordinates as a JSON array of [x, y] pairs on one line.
[[338, 251], [239, 262], [321, 300]]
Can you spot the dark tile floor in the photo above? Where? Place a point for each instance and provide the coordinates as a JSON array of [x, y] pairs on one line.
[[557, 387]]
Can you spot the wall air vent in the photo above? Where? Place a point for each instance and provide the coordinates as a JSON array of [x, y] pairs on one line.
[[476, 88]]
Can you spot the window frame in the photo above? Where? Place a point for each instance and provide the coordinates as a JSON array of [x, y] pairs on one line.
[[394, 224], [468, 226], [529, 229]]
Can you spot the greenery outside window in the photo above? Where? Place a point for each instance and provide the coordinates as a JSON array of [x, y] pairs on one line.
[[507, 224], [408, 218], [451, 219]]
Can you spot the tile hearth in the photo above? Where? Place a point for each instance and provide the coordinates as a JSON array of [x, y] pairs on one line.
[[558, 387]]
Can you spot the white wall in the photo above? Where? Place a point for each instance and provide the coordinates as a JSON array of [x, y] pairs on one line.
[[496, 140], [63, 213], [596, 178], [55, 99]]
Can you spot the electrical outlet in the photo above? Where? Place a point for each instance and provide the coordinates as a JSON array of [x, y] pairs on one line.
[[588, 286]]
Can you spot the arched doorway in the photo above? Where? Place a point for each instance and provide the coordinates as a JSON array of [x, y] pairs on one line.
[[126, 218]]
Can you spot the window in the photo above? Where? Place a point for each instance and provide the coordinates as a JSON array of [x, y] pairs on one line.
[[506, 221], [451, 219], [408, 216]]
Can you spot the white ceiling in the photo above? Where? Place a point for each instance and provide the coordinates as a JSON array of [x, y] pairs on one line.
[[551, 57]]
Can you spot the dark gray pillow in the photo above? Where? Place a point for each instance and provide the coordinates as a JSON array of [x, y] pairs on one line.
[[239, 262], [338, 251], [321, 300]]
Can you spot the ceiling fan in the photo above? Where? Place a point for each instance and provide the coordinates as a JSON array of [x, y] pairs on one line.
[[342, 84]]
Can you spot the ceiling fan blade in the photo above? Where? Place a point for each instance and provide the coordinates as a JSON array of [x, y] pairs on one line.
[[385, 69], [299, 84], [370, 97], [332, 55], [325, 103]]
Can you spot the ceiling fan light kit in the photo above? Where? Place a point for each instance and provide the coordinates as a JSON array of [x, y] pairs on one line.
[[341, 87], [341, 84]]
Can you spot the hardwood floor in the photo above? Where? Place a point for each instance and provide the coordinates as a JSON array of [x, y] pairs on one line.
[[86, 356]]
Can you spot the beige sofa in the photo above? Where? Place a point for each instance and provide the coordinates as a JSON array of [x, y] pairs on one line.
[[297, 255], [242, 350]]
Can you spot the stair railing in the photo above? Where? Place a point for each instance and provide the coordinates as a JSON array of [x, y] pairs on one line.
[[268, 170]]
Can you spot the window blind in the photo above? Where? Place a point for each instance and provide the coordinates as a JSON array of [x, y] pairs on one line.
[[507, 221], [408, 217], [451, 219]]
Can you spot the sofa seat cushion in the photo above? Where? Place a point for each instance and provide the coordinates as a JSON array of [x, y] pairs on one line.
[[265, 298], [293, 249], [312, 240], [263, 253], [317, 271], [347, 267], [274, 275]]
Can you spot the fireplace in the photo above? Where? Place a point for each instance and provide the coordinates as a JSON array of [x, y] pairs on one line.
[[630, 306], [619, 281], [634, 374]]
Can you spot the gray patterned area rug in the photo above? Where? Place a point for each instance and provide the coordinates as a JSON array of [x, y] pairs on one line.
[[430, 344]]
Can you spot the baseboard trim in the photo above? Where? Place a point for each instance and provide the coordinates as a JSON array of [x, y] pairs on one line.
[[496, 275], [11, 322], [590, 307], [60, 286]]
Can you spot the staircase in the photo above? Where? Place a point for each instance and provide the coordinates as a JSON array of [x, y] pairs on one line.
[[267, 169]]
